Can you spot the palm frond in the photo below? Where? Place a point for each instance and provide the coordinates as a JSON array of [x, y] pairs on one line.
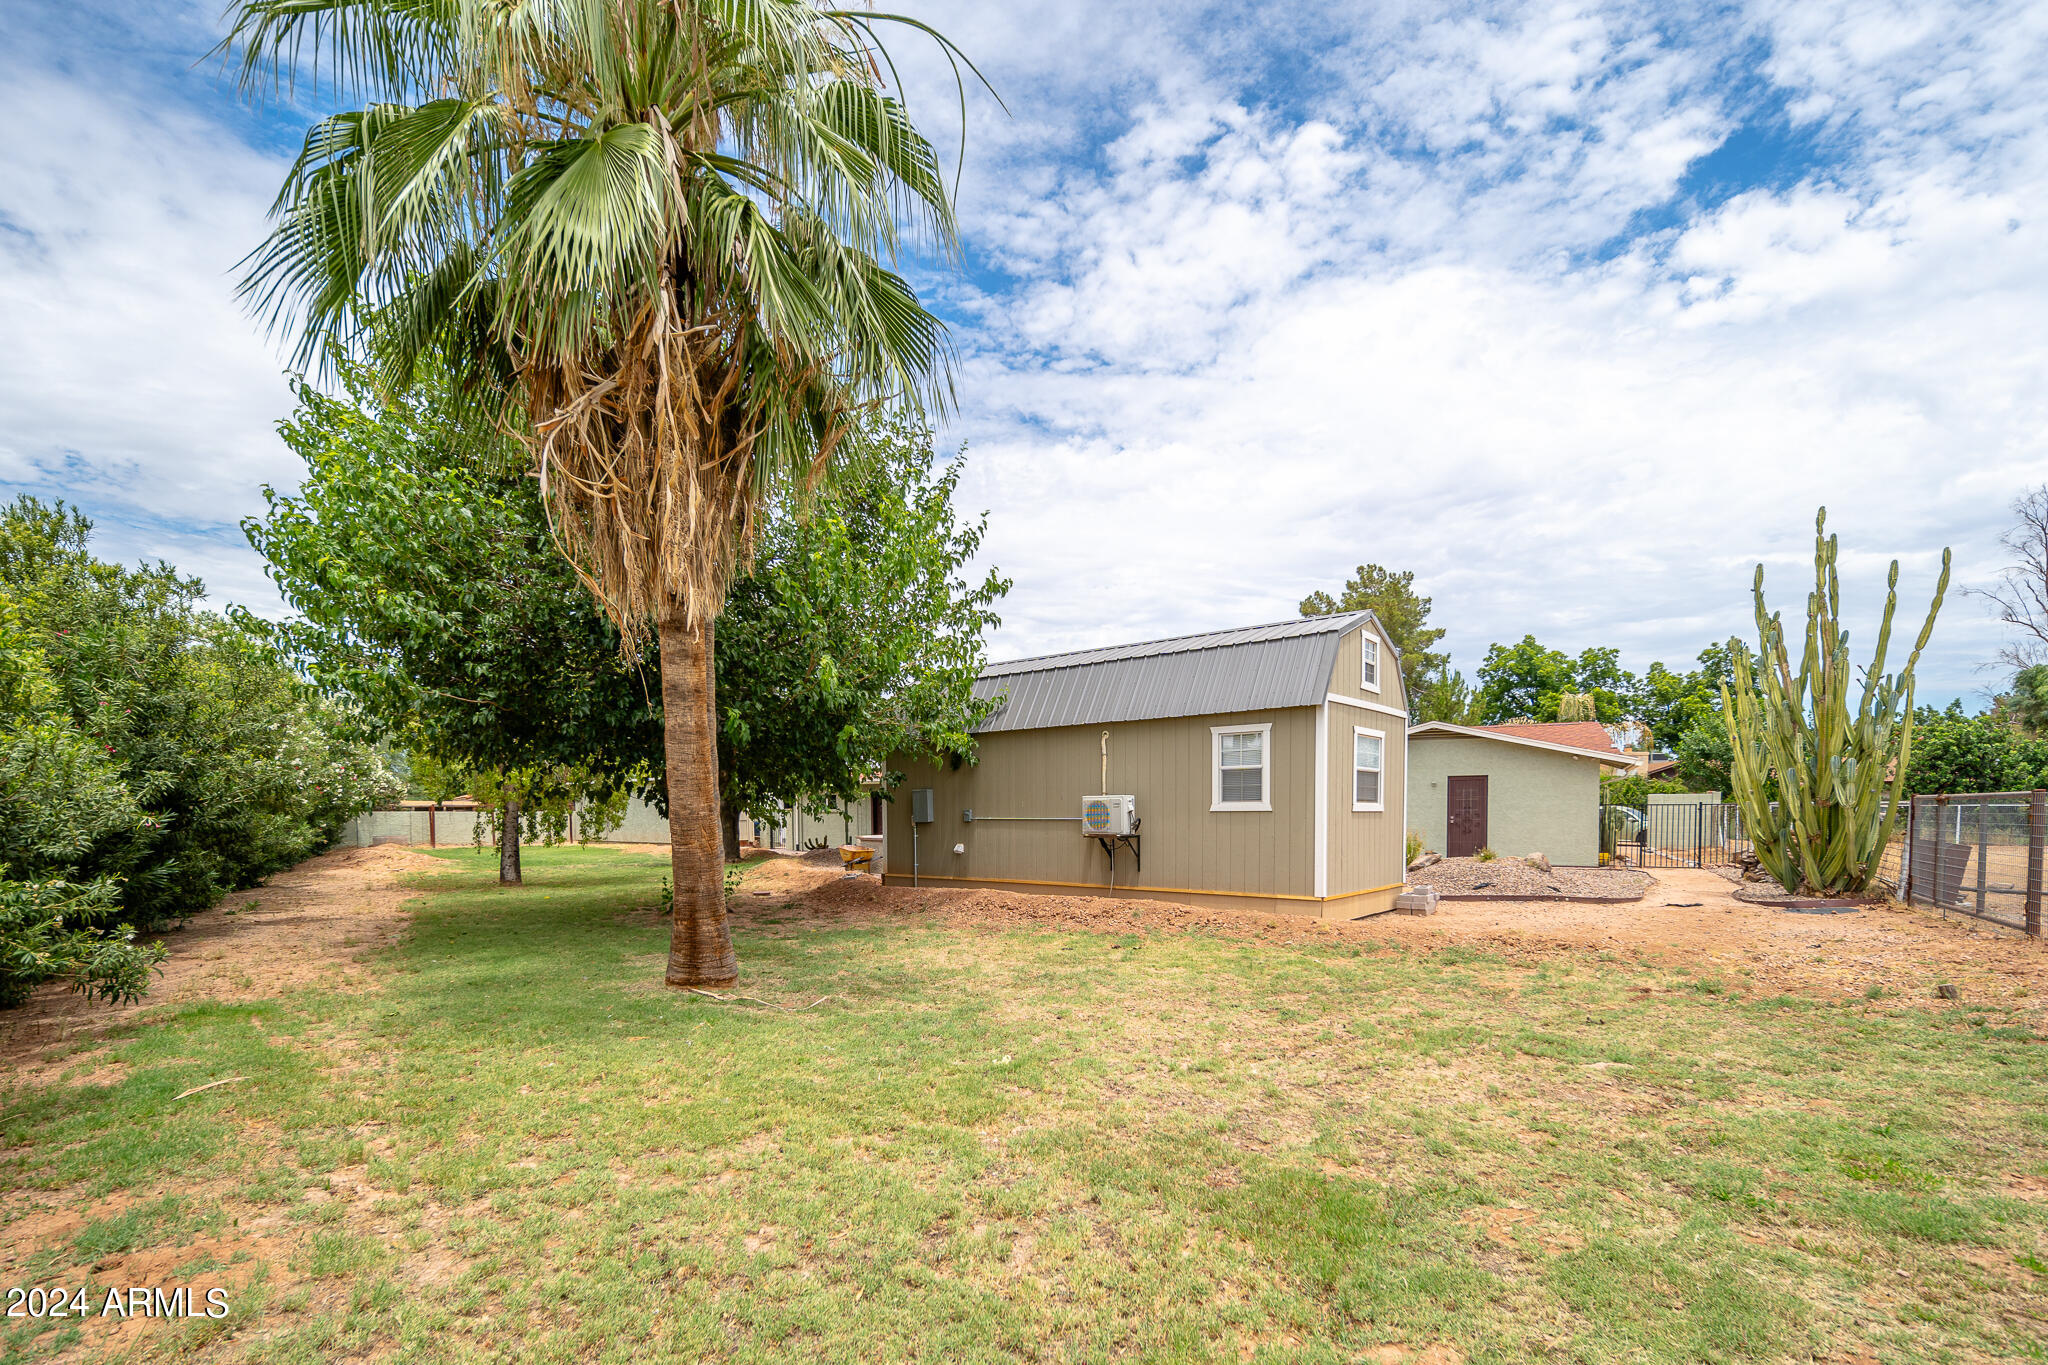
[[670, 231]]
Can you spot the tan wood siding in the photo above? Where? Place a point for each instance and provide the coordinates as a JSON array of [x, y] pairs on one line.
[[1166, 764], [1344, 677], [1367, 849]]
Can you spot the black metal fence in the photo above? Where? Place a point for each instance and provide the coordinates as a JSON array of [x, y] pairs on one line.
[[1672, 834], [1978, 854]]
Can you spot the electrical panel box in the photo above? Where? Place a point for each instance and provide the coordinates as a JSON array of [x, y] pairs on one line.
[[1106, 816], [920, 805]]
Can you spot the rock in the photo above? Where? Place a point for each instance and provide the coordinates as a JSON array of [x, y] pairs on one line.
[[1425, 859], [1752, 869], [1538, 861], [1947, 992]]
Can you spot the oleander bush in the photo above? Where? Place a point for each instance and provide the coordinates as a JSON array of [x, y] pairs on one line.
[[153, 757]]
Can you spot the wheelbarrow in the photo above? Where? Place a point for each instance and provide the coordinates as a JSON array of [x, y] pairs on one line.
[[857, 857]]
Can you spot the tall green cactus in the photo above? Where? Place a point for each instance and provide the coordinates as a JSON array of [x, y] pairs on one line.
[[1831, 821]]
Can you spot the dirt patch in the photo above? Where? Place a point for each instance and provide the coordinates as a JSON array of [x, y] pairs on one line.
[[313, 924], [1689, 921]]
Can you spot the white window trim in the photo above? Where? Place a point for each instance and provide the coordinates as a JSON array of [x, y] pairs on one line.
[[1379, 662], [1356, 804], [1338, 699], [1216, 734]]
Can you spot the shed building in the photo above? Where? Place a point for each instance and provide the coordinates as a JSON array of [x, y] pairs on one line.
[[1516, 789], [1267, 767]]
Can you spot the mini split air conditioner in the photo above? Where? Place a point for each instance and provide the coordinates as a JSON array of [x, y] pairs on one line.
[[1107, 816]]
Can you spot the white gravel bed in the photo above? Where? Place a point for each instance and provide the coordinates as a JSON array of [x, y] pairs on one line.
[[1512, 877]]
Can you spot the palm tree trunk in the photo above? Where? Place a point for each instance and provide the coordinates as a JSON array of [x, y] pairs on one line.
[[700, 945], [508, 843]]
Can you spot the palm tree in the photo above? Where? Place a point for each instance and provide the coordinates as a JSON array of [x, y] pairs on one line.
[[661, 238]]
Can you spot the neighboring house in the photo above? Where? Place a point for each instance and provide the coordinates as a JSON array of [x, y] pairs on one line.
[[1267, 766], [1516, 789]]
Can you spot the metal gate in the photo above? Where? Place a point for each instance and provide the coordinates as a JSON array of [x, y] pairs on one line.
[[1979, 854], [1672, 834]]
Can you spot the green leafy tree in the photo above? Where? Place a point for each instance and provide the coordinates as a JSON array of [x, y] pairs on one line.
[[430, 596], [1447, 697], [1633, 789], [152, 757], [61, 803], [2027, 701], [854, 634], [1705, 757], [662, 237], [1956, 752], [1523, 680], [1671, 703], [1526, 680], [1404, 614]]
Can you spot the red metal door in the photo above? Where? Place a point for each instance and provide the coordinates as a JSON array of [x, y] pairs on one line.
[[1465, 830]]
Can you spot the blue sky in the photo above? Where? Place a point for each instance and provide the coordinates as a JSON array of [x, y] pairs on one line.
[[1576, 310]]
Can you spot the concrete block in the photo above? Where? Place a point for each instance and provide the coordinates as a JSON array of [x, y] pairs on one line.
[[1416, 900]]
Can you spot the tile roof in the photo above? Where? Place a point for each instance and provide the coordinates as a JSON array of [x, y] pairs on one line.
[[1253, 668], [1576, 734]]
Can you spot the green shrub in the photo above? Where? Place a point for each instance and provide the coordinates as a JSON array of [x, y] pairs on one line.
[[56, 930], [1414, 844], [1486, 855], [152, 758]]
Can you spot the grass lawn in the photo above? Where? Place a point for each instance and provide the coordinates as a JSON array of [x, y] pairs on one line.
[[1005, 1144]]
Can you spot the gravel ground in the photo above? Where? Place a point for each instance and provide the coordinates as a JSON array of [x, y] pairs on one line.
[[1513, 877], [1756, 893]]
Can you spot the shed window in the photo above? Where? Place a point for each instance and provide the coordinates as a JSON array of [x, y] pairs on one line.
[[1368, 661], [1368, 768], [1243, 767]]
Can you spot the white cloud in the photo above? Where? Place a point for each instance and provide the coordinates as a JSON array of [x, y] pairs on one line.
[[1235, 384], [1261, 295], [131, 381]]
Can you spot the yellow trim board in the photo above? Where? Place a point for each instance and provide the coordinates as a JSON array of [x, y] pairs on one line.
[[1159, 890]]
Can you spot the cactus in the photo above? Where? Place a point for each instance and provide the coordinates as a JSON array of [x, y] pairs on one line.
[[1832, 821]]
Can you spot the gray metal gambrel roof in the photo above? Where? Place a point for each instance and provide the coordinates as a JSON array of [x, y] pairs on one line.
[[1256, 668]]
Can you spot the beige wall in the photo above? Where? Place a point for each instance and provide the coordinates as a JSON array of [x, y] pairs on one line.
[[1164, 763], [1260, 859], [1367, 850], [1344, 677], [1537, 801]]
